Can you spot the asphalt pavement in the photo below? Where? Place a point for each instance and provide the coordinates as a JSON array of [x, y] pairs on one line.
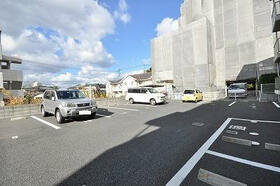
[[141, 144]]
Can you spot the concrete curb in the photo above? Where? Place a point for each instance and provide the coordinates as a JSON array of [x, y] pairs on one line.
[[215, 179], [18, 118], [237, 141], [270, 146]]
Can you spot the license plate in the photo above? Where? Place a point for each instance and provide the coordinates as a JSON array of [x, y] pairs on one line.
[[84, 112]]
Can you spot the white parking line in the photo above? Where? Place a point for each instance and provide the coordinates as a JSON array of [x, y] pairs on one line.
[[103, 115], [276, 105], [232, 104], [118, 108], [45, 122], [255, 121], [186, 169], [244, 161]]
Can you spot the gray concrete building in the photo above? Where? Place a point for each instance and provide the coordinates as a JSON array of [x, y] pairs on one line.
[[275, 17], [217, 41], [10, 79]]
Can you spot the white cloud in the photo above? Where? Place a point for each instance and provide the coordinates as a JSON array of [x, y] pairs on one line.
[[8, 42], [167, 25], [63, 77], [122, 13], [56, 34]]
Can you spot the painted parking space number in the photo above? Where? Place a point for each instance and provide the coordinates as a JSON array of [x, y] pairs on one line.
[[237, 127]]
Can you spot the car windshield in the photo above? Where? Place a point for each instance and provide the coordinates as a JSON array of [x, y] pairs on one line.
[[189, 92], [153, 91], [235, 87], [70, 94]]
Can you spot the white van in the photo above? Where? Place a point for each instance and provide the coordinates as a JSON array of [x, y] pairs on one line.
[[144, 95]]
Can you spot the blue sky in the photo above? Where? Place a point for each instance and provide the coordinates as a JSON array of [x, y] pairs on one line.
[[83, 40], [131, 42]]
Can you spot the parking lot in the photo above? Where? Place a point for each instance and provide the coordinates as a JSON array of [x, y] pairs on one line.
[[140, 144]]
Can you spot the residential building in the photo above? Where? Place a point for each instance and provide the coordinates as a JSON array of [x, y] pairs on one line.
[[35, 88], [276, 28], [92, 90], [10, 80], [218, 41], [119, 88]]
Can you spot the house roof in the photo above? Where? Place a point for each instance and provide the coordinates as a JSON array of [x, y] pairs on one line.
[[143, 76], [138, 77], [116, 81]]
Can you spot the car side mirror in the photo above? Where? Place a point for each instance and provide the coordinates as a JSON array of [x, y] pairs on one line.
[[53, 99]]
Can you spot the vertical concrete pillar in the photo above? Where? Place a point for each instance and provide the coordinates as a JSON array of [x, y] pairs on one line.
[[10, 85], [9, 65], [278, 69]]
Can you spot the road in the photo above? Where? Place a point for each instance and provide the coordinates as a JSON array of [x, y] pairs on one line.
[[141, 144]]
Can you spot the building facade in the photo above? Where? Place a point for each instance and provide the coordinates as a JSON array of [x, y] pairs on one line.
[[217, 41], [10, 80], [276, 29]]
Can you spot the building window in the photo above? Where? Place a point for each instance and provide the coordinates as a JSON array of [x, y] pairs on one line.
[[6, 85], [4, 65], [16, 85]]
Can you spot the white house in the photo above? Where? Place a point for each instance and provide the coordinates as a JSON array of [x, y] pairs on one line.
[[119, 88]]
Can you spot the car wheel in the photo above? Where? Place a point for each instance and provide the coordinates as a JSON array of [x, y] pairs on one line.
[[93, 115], [59, 117], [153, 102], [43, 112], [131, 101]]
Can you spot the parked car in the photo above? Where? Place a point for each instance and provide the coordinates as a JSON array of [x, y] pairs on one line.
[[67, 104], [192, 95], [237, 90], [145, 95]]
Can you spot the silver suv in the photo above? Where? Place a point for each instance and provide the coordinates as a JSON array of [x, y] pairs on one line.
[[67, 104]]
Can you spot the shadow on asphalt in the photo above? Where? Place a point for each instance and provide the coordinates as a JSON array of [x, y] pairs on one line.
[[101, 111], [154, 158]]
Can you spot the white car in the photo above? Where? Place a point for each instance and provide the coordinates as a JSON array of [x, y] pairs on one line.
[[145, 95], [237, 90]]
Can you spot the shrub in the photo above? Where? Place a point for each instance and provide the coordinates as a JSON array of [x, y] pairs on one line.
[[267, 78]]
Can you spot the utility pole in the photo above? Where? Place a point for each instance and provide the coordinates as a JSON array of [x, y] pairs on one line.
[[119, 72], [0, 46]]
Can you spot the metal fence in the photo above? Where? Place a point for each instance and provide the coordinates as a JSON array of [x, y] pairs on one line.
[[267, 92]]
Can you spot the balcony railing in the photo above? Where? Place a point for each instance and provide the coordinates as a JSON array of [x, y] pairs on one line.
[[277, 51], [275, 17]]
